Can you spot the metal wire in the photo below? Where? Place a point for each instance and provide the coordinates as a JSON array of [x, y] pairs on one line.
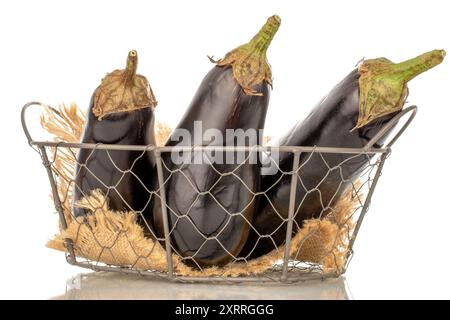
[[291, 267]]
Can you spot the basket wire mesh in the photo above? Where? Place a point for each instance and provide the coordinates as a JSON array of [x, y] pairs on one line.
[[288, 269]]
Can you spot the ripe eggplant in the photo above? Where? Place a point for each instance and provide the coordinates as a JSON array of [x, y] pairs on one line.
[[349, 116], [202, 198], [120, 112]]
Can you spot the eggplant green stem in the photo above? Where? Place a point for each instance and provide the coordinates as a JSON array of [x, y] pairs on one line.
[[411, 68], [131, 68], [249, 61], [383, 84], [123, 91], [261, 41]]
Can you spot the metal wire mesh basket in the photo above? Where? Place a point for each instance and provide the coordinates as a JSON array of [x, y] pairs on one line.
[[292, 261]]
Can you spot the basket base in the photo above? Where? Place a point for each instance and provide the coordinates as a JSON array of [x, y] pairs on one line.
[[293, 276]]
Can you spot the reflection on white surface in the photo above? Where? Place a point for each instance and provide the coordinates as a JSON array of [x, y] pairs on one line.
[[104, 285]]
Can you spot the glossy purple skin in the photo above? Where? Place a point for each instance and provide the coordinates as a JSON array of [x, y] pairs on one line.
[[219, 103], [328, 125], [103, 171]]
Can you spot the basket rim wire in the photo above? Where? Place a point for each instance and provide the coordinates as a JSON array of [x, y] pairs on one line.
[[284, 274]]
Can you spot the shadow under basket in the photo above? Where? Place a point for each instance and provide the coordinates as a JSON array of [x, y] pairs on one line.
[[315, 248]]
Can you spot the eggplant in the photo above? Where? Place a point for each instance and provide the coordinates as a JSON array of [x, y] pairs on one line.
[[348, 117], [120, 113], [210, 206]]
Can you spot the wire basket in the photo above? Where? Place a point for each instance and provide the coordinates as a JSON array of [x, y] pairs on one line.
[[289, 262]]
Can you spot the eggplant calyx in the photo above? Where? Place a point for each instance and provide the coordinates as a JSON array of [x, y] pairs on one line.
[[123, 90], [249, 61], [383, 84]]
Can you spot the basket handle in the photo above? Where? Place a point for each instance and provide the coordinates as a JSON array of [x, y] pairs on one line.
[[22, 117], [411, 109]]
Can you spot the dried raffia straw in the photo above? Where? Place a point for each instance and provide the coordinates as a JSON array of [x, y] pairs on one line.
[[66, 125], [116, 238], [163, 132]]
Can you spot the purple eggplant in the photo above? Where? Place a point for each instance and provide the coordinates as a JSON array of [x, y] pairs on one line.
[[210, 205], [348, 117], [121, 113]]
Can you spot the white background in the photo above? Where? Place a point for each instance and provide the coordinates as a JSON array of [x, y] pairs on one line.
[[54, 51]]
